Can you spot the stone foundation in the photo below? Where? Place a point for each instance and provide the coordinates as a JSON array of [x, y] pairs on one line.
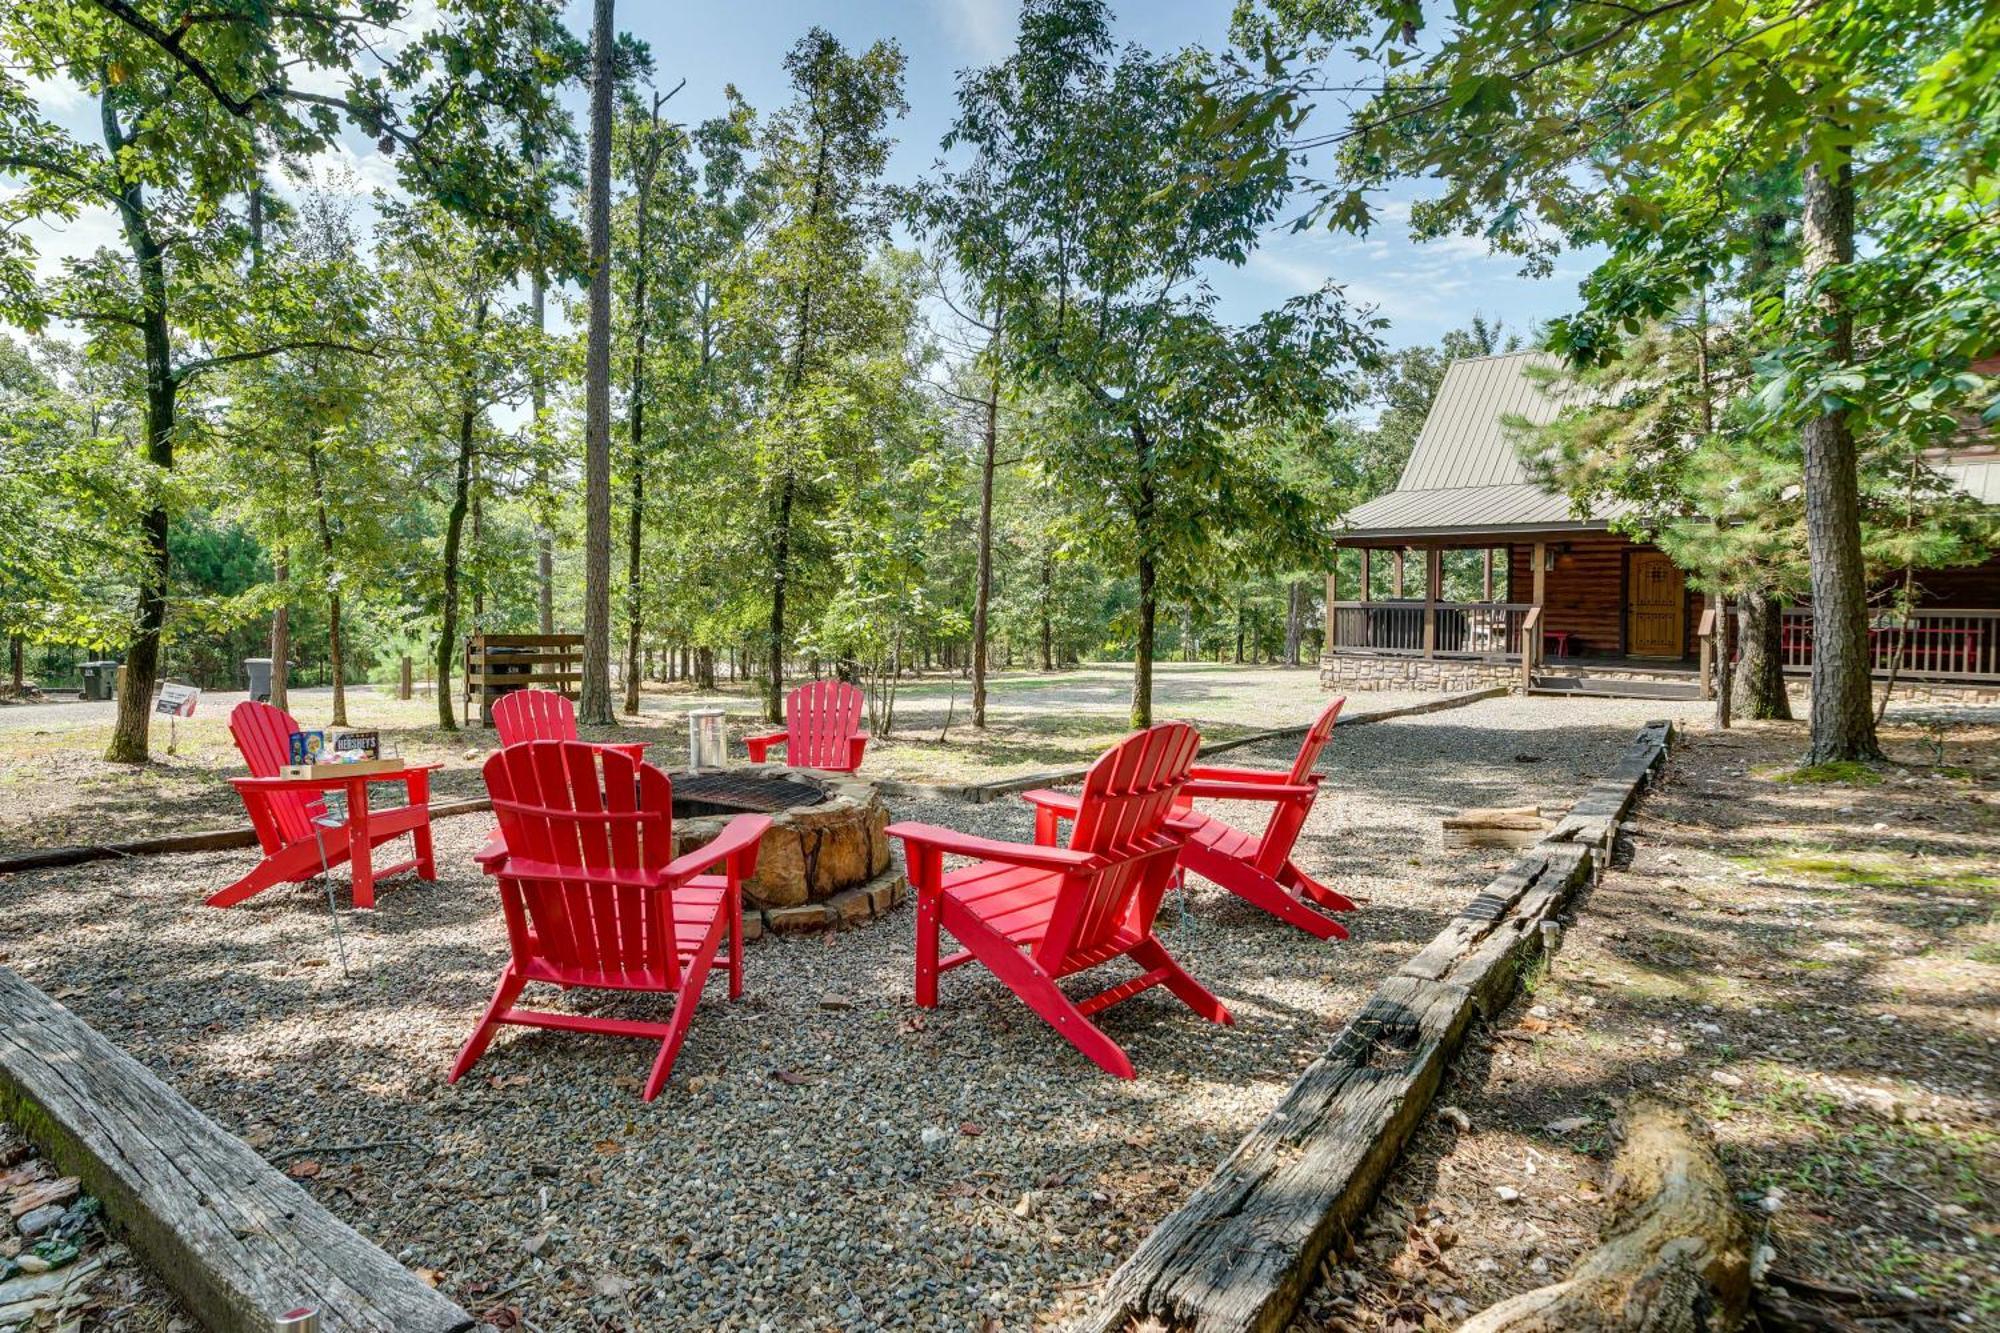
[[818, 866], [1348, 672]]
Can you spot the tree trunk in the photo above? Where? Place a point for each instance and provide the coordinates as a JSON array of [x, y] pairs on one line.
[[16, 665], [1843, 724], [454, 528], [1048, 598], [781, 569], [983, 589], [594, 704], [281, 635], [1674, 1255], [1142, 524], [131, 734], [1239, 636], [1760, 676], [1295, 621], [545, 537], [475, 569], [334, 654], [634, 527]]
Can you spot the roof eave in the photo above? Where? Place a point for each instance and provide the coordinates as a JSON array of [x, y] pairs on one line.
[[1483, 529]]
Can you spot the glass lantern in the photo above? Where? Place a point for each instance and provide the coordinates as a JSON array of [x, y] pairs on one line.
[[706, 746]]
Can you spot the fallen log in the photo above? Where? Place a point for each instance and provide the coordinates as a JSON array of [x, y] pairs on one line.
[[1675, 1255], [1495, 826], [237, 1241]]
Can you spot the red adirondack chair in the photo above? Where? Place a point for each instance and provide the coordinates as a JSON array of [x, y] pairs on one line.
[[1034, 914], [544, 715], [283, 811], [593, 896], [1256, 867], [822, 728]]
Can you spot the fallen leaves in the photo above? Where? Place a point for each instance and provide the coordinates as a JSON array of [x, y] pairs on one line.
[[304, 1169]]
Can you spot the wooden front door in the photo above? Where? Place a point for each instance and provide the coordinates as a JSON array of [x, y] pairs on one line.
[[1658, 608]]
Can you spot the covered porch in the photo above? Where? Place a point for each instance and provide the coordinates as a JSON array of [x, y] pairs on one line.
[[1544, 609]]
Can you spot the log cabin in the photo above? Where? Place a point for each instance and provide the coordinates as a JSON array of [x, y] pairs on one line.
[[1471, 574]]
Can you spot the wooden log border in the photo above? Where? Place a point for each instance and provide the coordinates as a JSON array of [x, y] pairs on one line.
[[213, 840], [237, 1241], [1238, 1255], [985, 792]]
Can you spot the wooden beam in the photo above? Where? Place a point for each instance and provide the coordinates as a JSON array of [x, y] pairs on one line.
[[1706, 634], [1541, 570], [1367, 574], [1486, 575], [1399, 573], [1433, 587], [238, 1242], [1238, 1256]]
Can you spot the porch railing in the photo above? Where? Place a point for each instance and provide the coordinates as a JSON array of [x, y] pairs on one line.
[[1488, 630], [1934, 645]]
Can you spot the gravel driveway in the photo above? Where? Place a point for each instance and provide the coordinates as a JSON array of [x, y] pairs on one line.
[[782, 1180]]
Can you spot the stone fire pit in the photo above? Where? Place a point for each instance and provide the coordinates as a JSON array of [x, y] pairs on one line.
[[823, 863]]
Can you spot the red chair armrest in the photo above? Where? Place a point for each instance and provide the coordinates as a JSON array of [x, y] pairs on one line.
[[1246, 791], [757, 745], [1220, 773], [857, 744], [1063, 803], [492, 853], [284, 784], [738, 842], [953, 843]]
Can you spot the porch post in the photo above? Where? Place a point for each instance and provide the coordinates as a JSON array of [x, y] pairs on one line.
[[1399, 573], [1531, 648], [1332, 596], [1367, 573], [1709, 614], [1486, 586], [1433, 585]]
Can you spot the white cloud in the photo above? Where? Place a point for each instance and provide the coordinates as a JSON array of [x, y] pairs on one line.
[[983, 29]]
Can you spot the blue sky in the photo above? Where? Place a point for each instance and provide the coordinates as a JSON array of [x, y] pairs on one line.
[[1423, 289]]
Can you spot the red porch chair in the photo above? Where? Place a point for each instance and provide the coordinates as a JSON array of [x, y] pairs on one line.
[[1256, 867], [544, 715], [284, 812], [1035, 914], [822, 728], [593, 897]]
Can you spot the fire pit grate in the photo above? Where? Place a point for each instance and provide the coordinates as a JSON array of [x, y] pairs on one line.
[[697, 794]]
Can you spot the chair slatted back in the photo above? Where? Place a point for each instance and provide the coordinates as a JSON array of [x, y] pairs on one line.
[[263, 737], [534, 715], [1315, 741], [1127, 795], [820, 718], [596, 825]]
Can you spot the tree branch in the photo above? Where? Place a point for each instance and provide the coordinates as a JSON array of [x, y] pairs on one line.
[[193, 368]]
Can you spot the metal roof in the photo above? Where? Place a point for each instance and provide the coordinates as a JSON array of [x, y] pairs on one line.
[[1464, 475], [1463, 472]]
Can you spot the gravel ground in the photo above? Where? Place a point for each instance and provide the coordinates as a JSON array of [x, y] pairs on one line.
[[782, 1180]]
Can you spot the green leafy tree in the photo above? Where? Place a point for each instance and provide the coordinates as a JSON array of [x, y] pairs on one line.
[[1631, 128], [1090, 152]]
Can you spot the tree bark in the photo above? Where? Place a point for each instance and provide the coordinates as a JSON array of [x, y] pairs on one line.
[[635, 525], [594, 705], [1295, 621], [1048, 612], [1675, 1255], [545, 537], [131, 733], [1142, 525], [334, 652], [1842, 721], [983, 590], [16, 664], [281, 635], [1760, 676], [454, 529]]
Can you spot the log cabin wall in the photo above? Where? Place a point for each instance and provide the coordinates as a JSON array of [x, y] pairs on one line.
[[1585, 593], [1973, 587]]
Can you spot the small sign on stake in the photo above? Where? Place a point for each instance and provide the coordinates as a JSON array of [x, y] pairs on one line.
[[176, 701]]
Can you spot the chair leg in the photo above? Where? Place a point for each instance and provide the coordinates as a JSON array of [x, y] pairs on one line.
[[735, 941], [1038, 990], [420, 839], [1258, 889], [504, 996], [685, 1001], [1153, 956], [1293, 877], [927, 950]]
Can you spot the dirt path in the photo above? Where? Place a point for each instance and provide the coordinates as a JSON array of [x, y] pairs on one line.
[[1813, 967]]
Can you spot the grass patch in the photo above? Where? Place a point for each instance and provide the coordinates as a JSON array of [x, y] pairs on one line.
[[1845, 773]]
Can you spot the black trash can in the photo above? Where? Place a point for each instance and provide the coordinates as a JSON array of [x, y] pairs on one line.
[[504, 661], [100, 680], [257, 678]]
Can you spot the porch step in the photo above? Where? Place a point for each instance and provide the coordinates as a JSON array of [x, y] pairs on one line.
[[1616, 689]]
